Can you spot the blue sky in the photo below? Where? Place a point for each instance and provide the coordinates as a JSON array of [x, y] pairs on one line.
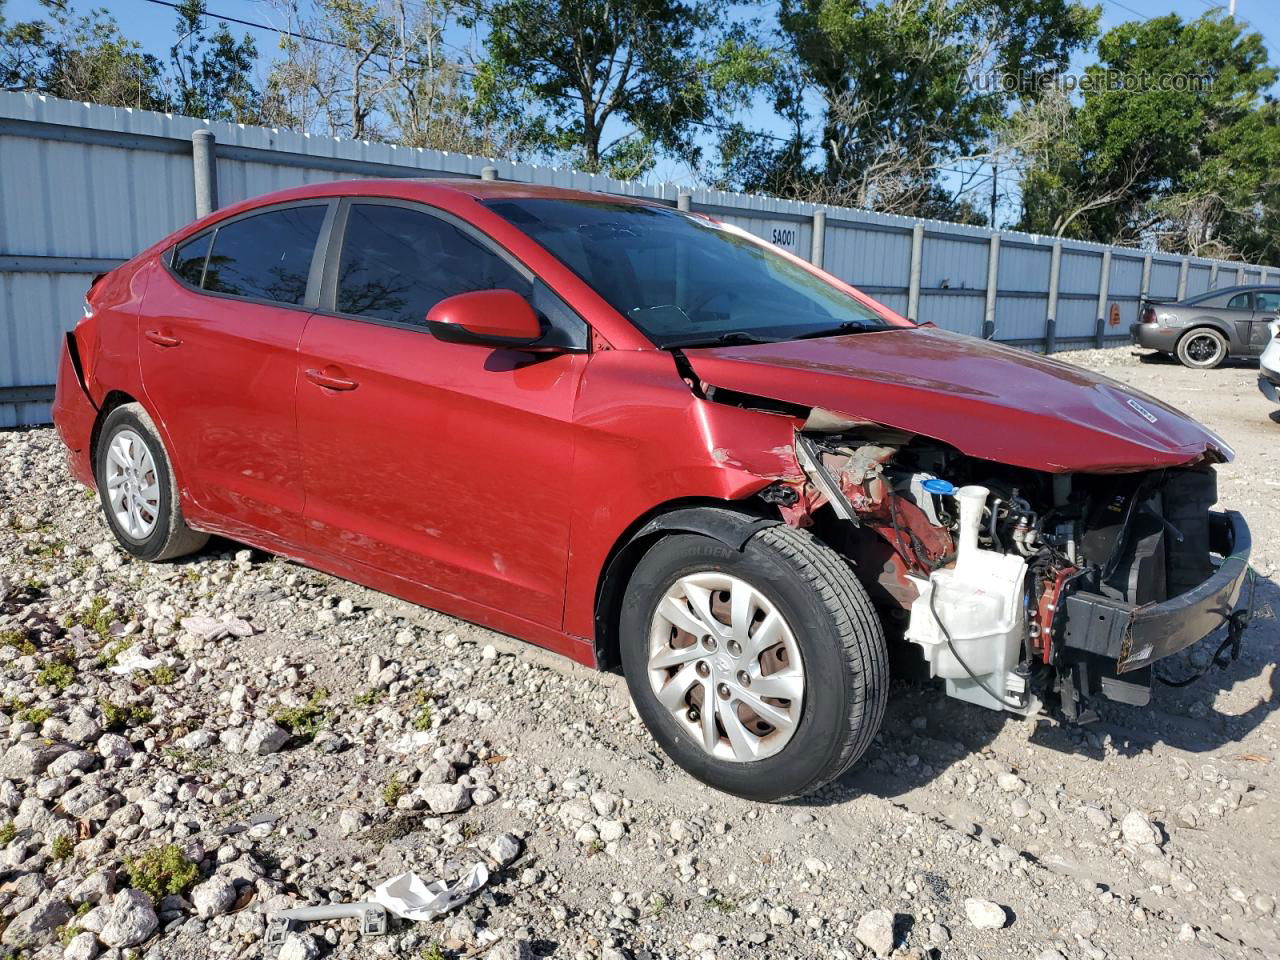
[[152, 25]]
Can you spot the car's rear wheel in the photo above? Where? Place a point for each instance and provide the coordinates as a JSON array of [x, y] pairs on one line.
[[763, 671], [137, 489], [1202, 348]]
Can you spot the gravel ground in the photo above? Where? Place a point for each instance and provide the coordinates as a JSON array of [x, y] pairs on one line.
[[296, 740]]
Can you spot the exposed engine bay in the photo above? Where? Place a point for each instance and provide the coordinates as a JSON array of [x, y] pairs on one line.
[[1020, 586]]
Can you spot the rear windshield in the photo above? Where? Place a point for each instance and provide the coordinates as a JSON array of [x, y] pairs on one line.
[[684, 281]]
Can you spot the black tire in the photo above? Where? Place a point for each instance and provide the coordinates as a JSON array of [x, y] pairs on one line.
[[171, 537], [841, 641], [1202, 348]]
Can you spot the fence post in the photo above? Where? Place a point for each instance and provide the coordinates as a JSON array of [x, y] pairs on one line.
[[1104, 288], [1239, 275], [204, 168], [684, 200], [1051, 314], [489, 173], [1146, 276], [1183, 270], [1213, 275], [817, 247], [993, 283], [917, 265]]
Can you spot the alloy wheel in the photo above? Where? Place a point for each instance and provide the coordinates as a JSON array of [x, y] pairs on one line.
[[1204, 349], [133, 489], [725, 663]]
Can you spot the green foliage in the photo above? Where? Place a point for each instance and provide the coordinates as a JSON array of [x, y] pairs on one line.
[[893, 78], [57, 674], [161, 676], [162, 871], [307, 720], [118, 718], [18, 640], [213, 73], [98, 619], [109, 654], [393, 791], [369, 698], [432, 952], [659, 68], [62, 847], [7, 833], [422, 715], [36, 715], [1191, 165]]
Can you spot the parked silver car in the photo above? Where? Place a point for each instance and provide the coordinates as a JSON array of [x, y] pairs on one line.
[[1204, 330]]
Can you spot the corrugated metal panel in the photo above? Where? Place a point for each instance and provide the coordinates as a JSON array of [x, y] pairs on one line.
[[1079, 271], [93, 185], [953, 263], [1164, 278], [1198, 278]]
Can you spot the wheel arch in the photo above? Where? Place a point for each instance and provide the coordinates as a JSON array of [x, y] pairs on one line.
[[732, 522], [112, 400]]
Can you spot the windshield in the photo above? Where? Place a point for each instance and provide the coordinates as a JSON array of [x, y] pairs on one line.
[[684, 281]]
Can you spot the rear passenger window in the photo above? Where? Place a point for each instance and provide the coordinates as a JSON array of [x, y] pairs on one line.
[[188, 259], [1239, 302], [1268, 302], [267, 256], [398, 263]]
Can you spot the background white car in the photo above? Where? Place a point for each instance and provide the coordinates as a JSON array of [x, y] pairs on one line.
[[1269, 366]]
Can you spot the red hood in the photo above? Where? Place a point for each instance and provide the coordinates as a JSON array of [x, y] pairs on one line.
[[984, 399]]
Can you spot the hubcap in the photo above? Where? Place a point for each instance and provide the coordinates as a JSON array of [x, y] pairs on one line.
[[1202, 348], [726, 665], [133, 489]]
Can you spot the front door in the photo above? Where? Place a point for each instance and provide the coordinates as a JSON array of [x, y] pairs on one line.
[[1266, 307], [447, 464], [218, 341]]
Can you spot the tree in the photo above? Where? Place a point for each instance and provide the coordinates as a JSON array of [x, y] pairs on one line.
[[612, 84], [1174, 143], [79, 58], [211, 76], [898, 101]]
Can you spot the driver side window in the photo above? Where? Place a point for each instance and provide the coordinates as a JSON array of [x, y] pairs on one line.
[[1239, 302], [397, 264]]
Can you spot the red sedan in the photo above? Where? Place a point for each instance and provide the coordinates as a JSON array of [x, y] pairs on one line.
[[643, 438]]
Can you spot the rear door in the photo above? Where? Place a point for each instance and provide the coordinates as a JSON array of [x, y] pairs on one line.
[[219, 337], [447, 464]]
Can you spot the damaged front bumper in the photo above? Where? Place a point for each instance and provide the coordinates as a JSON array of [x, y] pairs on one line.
[[1136, 636]]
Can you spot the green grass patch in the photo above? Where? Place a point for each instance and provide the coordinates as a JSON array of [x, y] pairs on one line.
[[307, 720], [161, 872], [57, 674], [118, 717]]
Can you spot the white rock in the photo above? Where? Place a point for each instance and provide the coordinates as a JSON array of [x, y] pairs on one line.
[[446, 797], [505, 848], [265, 737], [875, 932], [112, 746], [984, 914], [299, 946], [214, 897], [33, 924], [1009, 782], [83, 946], [130, 920], [1138, 829]]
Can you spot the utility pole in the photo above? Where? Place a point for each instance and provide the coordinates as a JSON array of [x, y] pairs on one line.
[[995, 172], [1231, 9]]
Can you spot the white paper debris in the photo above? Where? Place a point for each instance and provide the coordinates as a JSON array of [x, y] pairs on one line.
[[208, 628], [409, 898], [134, 659]]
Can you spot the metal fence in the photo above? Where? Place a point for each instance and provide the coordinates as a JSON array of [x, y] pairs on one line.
[[83, 187]]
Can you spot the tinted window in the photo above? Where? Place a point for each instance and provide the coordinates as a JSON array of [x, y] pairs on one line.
[[683, 280], [398, 263], [188, 259], [266, 257], [1239, 302], [1268, 302]]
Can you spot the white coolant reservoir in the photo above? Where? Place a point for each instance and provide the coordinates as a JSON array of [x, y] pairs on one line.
[[980, 600]]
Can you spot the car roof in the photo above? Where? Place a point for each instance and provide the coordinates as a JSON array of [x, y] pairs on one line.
[[411, 188]]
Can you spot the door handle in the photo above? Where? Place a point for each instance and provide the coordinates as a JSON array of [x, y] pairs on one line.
[[329, 381], [163, 339]]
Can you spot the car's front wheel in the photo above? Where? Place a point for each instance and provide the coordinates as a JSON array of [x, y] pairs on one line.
[[763, 671], [1202, 349], [138, 492]]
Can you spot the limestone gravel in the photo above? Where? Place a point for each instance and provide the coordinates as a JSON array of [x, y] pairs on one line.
[[307, 739]]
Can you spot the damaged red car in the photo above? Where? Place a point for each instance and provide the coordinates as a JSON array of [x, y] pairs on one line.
[[646, 439]]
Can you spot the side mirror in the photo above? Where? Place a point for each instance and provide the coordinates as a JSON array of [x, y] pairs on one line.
[[495, 318]]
